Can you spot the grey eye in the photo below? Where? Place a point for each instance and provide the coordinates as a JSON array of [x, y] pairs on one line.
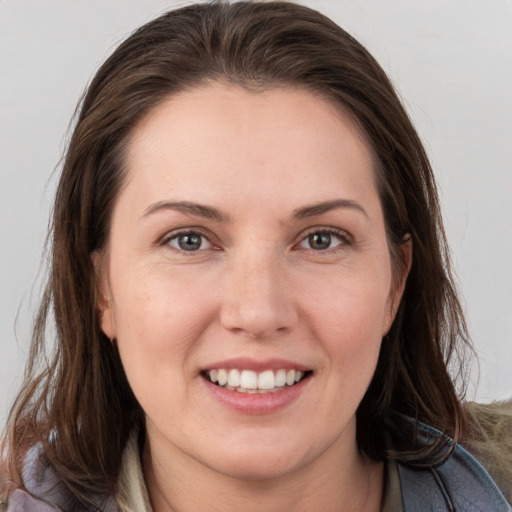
[[321, 241], [189, 242]]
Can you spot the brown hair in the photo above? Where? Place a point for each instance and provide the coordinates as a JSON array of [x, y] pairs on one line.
[[77, 402]]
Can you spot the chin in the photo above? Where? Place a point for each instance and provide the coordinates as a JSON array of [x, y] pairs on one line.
[[259, 461], [257, 468]]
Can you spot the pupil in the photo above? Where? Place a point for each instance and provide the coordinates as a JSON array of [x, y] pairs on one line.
[[320, 241], [189, 242]]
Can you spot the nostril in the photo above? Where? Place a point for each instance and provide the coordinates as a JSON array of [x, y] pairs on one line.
[[258, 310]]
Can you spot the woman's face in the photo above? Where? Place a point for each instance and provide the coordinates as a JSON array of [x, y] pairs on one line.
[[249, 244]]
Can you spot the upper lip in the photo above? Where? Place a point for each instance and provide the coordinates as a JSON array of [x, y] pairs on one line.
[[244, 363]]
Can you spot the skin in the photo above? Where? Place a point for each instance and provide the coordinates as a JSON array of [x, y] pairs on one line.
[[256, 288]]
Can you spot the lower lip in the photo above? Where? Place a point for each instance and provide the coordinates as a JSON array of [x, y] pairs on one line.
[[257, 403]]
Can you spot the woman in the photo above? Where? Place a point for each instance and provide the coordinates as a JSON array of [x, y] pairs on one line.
[[250, 287]]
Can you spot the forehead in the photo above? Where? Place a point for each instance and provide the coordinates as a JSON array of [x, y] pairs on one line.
[[248, 109], [223, 134]]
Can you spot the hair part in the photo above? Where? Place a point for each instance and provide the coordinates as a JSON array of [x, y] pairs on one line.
[[78, 403]]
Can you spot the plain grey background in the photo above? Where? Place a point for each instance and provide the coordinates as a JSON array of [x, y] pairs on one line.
[[450, 61]]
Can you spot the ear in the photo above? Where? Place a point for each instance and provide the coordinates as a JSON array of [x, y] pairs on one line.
[[400, 273], [104, 297]]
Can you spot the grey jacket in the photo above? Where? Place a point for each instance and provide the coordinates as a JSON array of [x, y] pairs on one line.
[[460, 484]]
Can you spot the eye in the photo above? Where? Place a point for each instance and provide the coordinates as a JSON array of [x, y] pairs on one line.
[[322, 240], [189, 241]]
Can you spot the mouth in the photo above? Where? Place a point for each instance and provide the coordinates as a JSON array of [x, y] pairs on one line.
[[252, 382]]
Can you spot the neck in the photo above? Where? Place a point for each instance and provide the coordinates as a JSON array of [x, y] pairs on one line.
[[342, 481]]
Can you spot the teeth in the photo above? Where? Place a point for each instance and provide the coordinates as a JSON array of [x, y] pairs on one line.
[[248, 381], [266, 380], [234, 378], [280, 378], [222, 377]]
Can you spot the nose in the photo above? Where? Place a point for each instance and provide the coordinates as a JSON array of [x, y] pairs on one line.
[[257, 298]]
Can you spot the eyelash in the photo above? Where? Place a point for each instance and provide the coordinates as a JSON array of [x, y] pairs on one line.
[[342, 236], [166, 241]]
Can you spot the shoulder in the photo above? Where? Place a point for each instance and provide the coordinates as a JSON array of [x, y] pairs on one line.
[[41, 492], [44, 492], [490, 440], [459, 483]]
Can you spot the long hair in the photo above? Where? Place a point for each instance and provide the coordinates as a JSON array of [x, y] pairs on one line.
[[76, 401]]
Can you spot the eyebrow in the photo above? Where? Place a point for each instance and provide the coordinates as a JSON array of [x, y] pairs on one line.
[[209, 212], [188, 207], [327, 206]]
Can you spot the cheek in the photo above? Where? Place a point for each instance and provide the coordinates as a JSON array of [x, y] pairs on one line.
[[159, 321], [353, 305], [157, 306], [348, 328], [348, 319]]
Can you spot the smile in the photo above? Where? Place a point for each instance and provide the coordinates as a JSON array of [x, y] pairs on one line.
[[249, 381]]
